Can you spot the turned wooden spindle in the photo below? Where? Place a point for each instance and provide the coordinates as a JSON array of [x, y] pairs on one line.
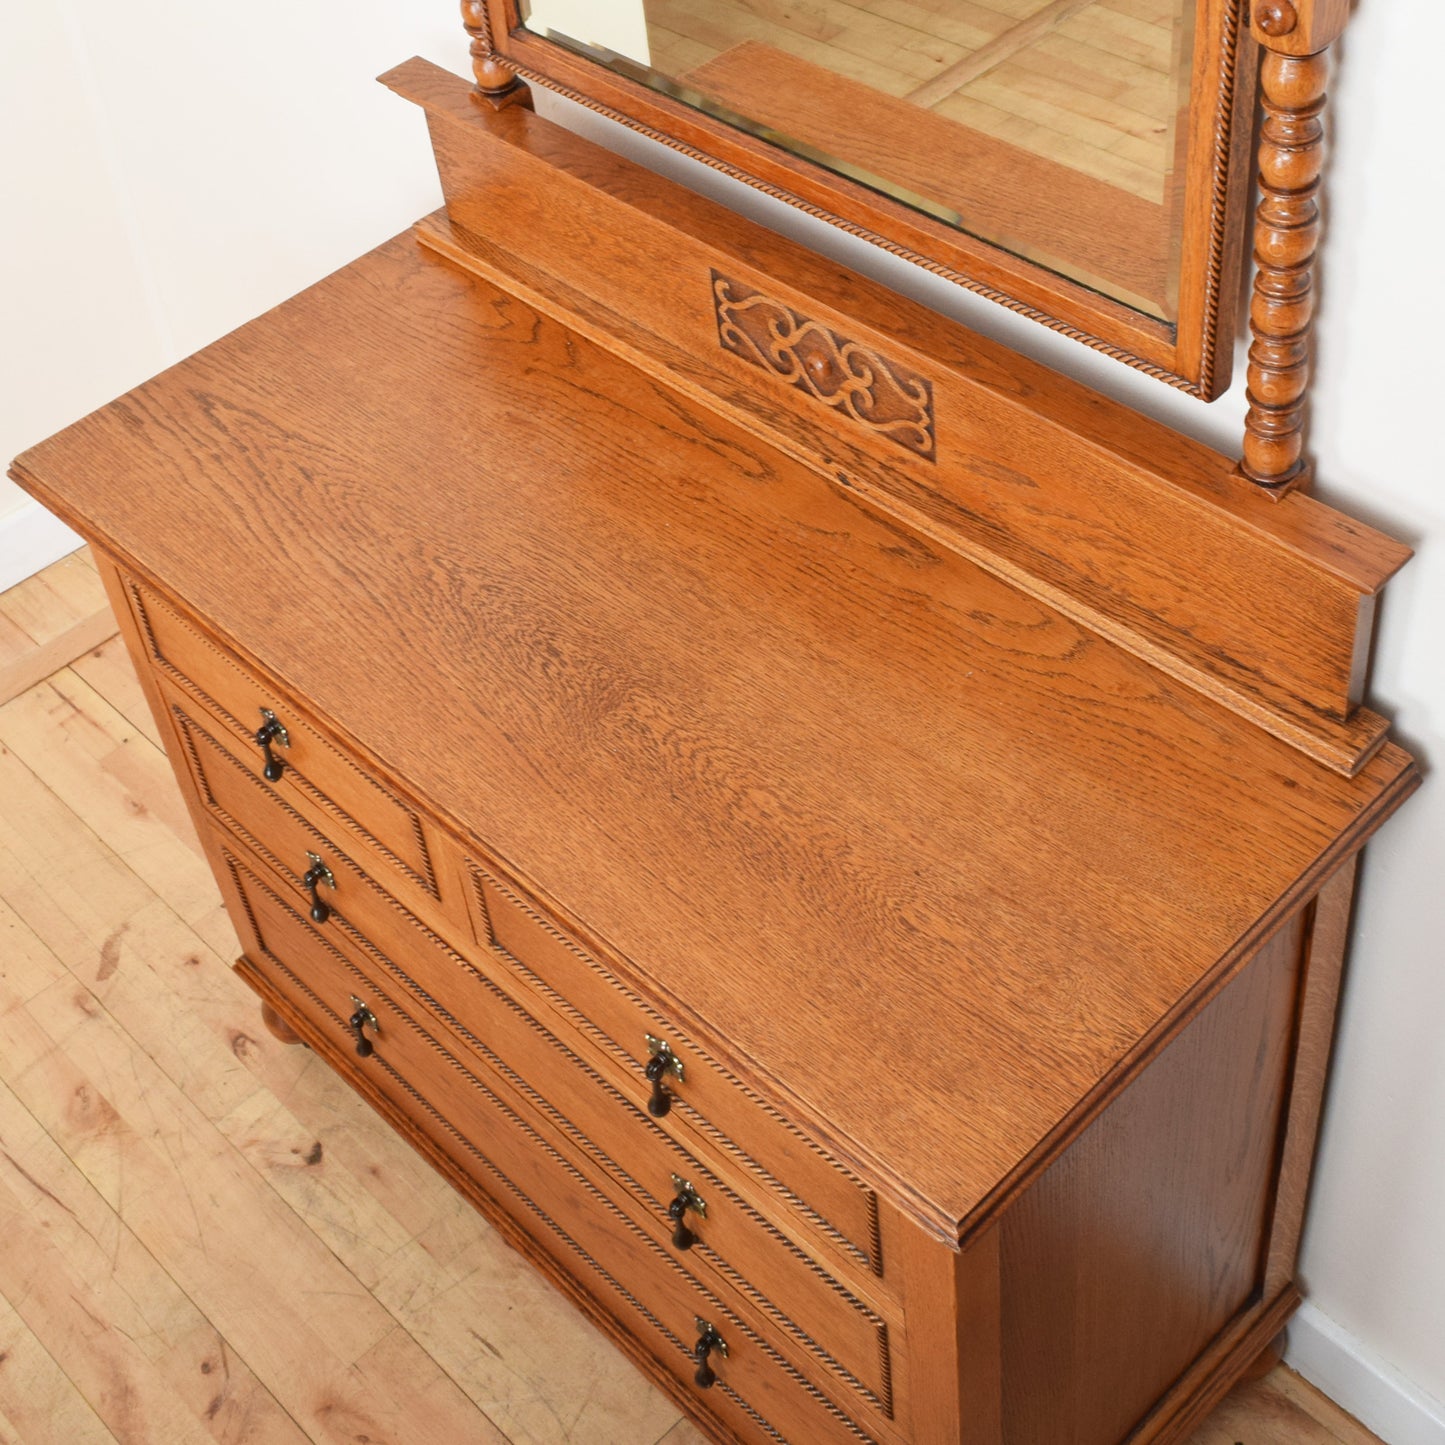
[[496, 81], [1286, 234], [1295, 36]]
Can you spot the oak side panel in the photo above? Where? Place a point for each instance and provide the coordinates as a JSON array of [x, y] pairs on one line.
[[138, 649], [135, 645], [1318, 1003], [1144, 1240]]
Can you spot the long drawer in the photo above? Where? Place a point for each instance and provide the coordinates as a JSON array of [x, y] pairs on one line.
[[308, 769], [708, 1099], [515, 1159], [826, 1319]]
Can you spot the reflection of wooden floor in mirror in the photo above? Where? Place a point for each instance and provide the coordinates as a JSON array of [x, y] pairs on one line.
[[1088, 83]]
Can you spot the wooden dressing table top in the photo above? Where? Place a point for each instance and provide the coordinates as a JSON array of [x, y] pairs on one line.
[[937, 860]]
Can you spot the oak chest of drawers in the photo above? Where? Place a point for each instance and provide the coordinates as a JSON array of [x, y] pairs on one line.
[[895, 1011]]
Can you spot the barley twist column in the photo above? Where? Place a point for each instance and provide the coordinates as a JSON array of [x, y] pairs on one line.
[[1286, 233], [1295, 36], [495, 80]]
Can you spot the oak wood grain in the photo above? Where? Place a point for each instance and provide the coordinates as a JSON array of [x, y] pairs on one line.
[[1318, 999], [1160, 1266], [519, 666], [1151, 539]]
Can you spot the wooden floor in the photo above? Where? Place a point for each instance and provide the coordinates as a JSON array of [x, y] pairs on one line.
[[206, 1237]]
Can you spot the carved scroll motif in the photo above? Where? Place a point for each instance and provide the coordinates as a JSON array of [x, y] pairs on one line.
[[868, 389]]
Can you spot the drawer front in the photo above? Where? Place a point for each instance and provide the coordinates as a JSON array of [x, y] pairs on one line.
[[708, 1100], [831, 1330], [832, 1326], [316, 776], [828, 1321], [756, 1390], [234, 795]]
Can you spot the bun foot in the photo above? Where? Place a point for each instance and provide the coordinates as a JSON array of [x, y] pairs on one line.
[[1266, 1359], [278, 1028]]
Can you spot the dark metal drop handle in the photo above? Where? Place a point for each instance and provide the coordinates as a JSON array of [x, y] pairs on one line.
[[708, 1342], [270, 732], [658, 1067], [311, 880], [682, 1236], [358, 1023]]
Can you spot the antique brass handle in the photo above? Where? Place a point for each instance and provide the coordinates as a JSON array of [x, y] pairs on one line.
[[708, 1342], [271, 731], [686, 1198], [311, 880], [662, 1063], [358, 1023]]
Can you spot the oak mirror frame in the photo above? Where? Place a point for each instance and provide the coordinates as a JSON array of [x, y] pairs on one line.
[[1179, 327]]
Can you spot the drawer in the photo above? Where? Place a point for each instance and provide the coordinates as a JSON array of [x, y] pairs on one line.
[[830, 1329], [317, 777], [234, 795], [708, 1099], [473, 1120], [826, 1319]]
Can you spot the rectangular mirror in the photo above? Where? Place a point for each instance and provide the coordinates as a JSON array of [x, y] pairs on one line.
[[1082, 161]]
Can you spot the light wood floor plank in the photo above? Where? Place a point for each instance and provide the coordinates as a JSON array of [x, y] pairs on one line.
[[36, 664], [113, 781], [74, 1318], [107, 669], [38, 1403], [143, 1301], [274, 1290], [49, 603]]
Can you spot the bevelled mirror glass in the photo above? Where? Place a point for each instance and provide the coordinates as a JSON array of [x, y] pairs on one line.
[[1080, 160]]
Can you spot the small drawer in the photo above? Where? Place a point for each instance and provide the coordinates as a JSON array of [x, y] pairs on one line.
[[708, 1100], [266, 822], [472, 1120], [314, 774]]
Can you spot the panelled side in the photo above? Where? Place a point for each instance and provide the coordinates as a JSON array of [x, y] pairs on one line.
[[1144, 1245]]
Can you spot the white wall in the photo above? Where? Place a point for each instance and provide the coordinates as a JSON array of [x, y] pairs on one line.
[[168, 171]]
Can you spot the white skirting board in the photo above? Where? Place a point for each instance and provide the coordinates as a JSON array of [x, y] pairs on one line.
[[31, 539], [1380, 1398]]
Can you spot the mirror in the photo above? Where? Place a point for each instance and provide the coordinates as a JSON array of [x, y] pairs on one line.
[[1082, 161]]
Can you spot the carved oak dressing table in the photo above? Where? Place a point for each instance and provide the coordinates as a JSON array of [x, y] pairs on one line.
[[837, 839]]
